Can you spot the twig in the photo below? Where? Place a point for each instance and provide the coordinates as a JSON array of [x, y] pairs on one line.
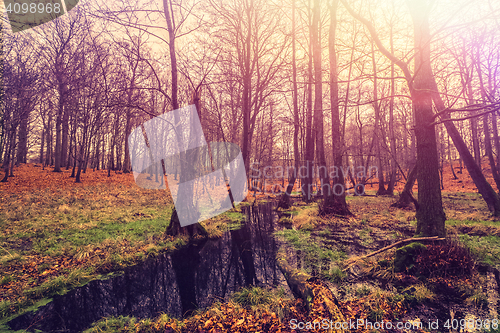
[[6, 251], [404, 241]]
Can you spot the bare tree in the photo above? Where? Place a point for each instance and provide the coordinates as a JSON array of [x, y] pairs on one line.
[[335, 202]]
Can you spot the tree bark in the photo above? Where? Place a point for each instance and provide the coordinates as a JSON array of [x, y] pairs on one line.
[[22, 143], [174, 227], [376, 129], [430, 214], [406, 197], [318, 126], [60, 111], [64, 136], [306, 185], [392, 180], [246, 98], [450, 158], [285, 197], [334, 200], [489, 151]]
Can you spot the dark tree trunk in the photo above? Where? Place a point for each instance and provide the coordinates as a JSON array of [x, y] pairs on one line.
[[22, 142], [451, 160], [174, 227], [42, 144], [334, 200], [48, 152], [488, 193], [306, 182], [246, 98], [318, 126], [377, 128], [496, 139], [475, 141], [73, 171], [65, 137], [392, 180], [406, 197], [81, 156], [430, 215], [128, 129], [285, 197], [489, 151], [59, 120], [9, 147]]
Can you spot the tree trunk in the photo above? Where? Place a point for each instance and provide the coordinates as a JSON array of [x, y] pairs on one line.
[[246, 98], [285, 197], [306, 185], [406, 197], [22, 142], [9, 148], [392, 180], [48, 140], [318, 126], [430, 215], [475, 141], [334, 200], [128, 130], [174, 227], [60, 110], [42, 144], [377, 128], [64, 137], [57, 152], [496, 139], [489, 151], [451, 159], [488, 193], [80, 160]]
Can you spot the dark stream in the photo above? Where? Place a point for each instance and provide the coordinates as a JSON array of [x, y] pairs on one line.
[[177, 283]]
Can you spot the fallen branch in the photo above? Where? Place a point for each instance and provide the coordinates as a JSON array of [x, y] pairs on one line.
[[319, 300], [404, 241], [297, 280]]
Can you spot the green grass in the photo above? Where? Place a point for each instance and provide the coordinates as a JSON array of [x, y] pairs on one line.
[[126, 324], [313, 255], [366, 238], [114, 324], [59, 223], [418, 294], [98, 229], [486, 248], [262, 298], [253, 296], [455, 222], [324, 233]]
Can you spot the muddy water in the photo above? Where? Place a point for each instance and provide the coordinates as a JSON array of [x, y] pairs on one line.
[[192, 277]]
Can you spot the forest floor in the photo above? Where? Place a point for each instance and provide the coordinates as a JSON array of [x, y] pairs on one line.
[[55, 235]]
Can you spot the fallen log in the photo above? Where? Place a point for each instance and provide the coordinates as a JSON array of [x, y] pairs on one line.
[[319, 300], [297, 280]]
